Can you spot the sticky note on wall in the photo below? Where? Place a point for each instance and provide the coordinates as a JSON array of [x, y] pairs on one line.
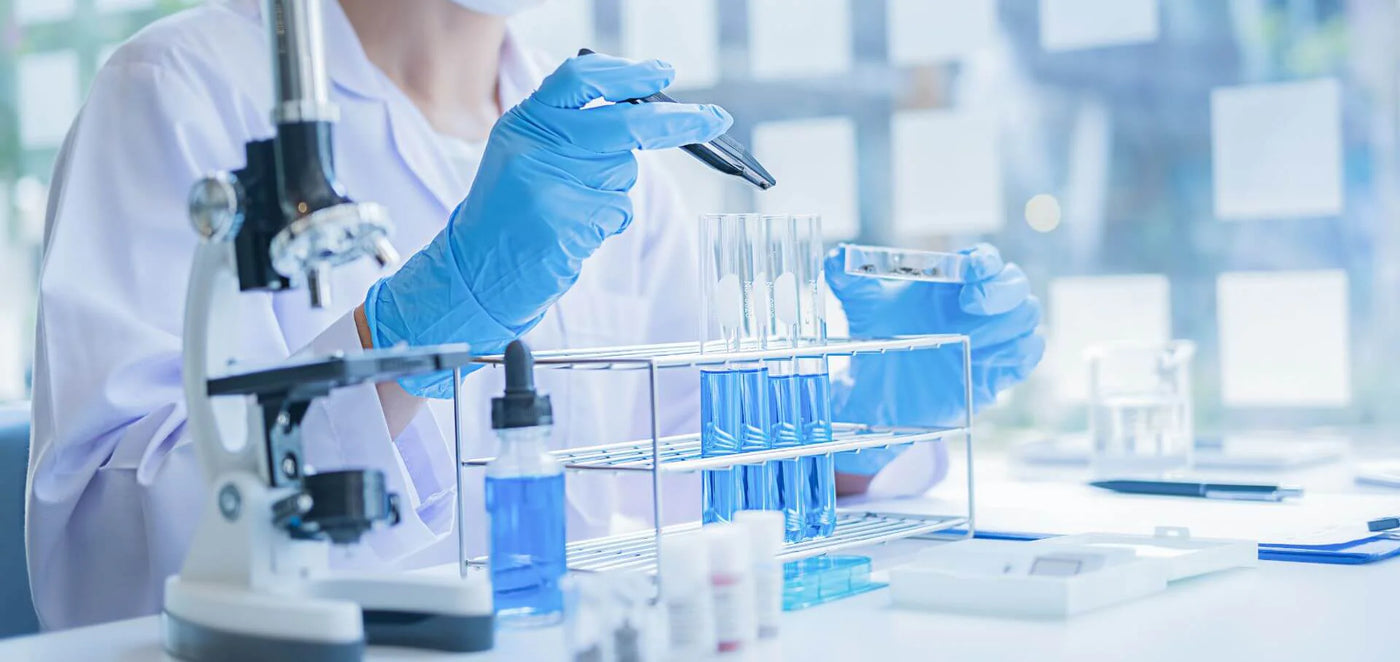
[[796, 38], [558, 27], [947, 172], [39, 11], [1284, 338], [50, 99], [1089, 310], [923, 31], [685, 34], [815, 163], [1076, 24], [1277, 150]]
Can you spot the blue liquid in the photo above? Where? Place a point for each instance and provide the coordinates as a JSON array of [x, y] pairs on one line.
[[734, 418], [527, 546], [789, 475], [814, 393]]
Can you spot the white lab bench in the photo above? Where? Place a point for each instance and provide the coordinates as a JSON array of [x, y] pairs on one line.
[[1278, 611]]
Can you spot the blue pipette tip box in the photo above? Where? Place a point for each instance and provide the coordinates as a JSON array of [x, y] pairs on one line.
[[904, 264]]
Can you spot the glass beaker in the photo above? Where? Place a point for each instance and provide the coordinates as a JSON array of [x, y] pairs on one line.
[[1140, 409]]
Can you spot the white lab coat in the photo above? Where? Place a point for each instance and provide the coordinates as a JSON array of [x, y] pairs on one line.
[[115, 489]]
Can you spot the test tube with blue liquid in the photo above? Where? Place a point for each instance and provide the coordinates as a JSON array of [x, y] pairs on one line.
[[813, 374], [734, 396], [785, 405]]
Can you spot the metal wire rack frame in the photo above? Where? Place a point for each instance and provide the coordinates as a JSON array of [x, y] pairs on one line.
[[681, 453]]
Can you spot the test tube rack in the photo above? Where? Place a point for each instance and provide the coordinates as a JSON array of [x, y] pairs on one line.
[[659, 455]]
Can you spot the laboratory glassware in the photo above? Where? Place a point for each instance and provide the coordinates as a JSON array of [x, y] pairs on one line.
[[784, 383], [525, 501], [733, 396], [813, 378], [905, 264], [1140, 421]]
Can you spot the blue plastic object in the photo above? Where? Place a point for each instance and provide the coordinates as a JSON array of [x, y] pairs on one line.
[[924, 388], [822, 579], [552, 186], [17, 615]]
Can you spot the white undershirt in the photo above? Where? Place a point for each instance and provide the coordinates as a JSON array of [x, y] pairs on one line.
[[465, 157]]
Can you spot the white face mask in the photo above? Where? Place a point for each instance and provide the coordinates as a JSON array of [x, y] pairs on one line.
[[499, 7]]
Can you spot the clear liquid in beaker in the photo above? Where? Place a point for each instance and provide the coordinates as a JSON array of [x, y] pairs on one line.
[[1140, 435]]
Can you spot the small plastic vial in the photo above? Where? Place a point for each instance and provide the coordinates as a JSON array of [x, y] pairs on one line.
[[685, 591], [731, 584], [764, 531]]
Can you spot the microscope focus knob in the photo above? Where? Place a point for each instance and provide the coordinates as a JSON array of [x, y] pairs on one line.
[[214, 207]]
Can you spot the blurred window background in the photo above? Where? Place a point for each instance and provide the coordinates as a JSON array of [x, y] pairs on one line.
[[1217, 170]]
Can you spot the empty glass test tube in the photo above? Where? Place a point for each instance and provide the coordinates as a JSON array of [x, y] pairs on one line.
[[905, 264], [784, 387], [813, 378], [733, 397]]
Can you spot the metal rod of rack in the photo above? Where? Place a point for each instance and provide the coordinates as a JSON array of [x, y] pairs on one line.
[[658, 454], [693, 354]]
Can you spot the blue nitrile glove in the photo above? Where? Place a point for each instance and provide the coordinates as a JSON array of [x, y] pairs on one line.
[[551, 187], [924, 388]]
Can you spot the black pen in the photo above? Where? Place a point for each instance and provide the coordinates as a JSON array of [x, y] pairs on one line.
[[724, 154], [1201, 490]]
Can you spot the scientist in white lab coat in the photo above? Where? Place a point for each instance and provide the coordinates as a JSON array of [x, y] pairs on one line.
[[115, 490]]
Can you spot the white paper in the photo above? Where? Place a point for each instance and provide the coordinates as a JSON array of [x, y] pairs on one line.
[[1284, 338], [923, 31], [1088, 310], [15, 319], [1277, 150], [814, 161], [50, 99], [122, 5], [795, 38], [685, 34], [559, 28], [39, 11], [1075, 24], [947, 173]]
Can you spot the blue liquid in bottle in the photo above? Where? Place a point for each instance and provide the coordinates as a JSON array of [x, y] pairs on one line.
[[789, 475], [525, 501], [527, 547], [759, 491], [733, 418], [814, 393]]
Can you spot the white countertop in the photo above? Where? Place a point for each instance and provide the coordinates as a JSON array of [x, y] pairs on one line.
[[1278, 611]]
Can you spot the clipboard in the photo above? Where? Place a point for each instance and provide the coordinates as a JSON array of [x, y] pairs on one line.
[[1356, 552], [1370, 549]]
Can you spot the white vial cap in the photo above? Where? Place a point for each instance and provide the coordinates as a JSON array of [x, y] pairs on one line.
[[729, 551], [685, 560], [765, 530]]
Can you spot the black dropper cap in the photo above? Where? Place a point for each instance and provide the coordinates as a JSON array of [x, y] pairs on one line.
[[520, 406]]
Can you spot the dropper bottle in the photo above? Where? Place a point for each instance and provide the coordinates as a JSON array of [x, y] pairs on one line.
[[525, 501]]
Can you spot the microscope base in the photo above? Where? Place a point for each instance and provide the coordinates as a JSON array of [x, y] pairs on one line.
[[207, 622]]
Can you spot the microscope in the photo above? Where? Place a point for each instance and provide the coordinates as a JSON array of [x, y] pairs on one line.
[[256, 584]]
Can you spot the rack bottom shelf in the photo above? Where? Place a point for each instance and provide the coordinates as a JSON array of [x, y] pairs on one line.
[[637, 551]]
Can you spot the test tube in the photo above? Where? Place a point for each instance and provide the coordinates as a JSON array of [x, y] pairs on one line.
[[733, 397], [814, 381], [785, 405], [759, 491]]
